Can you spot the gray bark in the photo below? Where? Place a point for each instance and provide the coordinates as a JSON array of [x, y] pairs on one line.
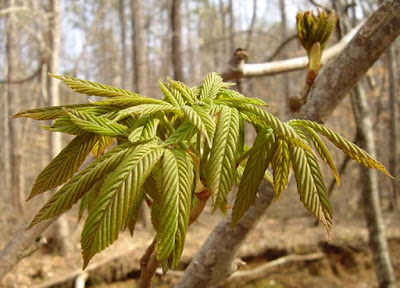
[[61, 229], [232, 44], [121, 12], [176, 41], [394, 126], [286, 77], [372, 208], [15, 157], [139, 47]]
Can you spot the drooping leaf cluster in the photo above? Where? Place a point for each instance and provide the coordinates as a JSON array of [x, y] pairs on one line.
[[166, 152]]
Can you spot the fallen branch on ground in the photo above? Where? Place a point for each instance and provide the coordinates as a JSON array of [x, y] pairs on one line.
[[261, 271]]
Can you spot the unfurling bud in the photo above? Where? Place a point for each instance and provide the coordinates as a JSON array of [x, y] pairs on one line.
[[313, 29]]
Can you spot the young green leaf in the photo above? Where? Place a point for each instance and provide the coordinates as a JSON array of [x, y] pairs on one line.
[[172, 95], [101, 145], [350, 149], [184, 90], [49, 113], [93, 88], [65, 164], [310, 185], [64, 124], [175, 188], [285, 131], [167, 226], [82, 182], [259, 159], [186, 178], [126, 101], [201, 119], [144, 129], [222, 162], [145, 109], [280, 164], [211, 86], [88, 199], [121, 188], [184, 132], [98, 125], [323, 152]]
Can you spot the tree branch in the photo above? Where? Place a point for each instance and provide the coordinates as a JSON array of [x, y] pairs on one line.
[[284, 66], [22, 245], [337, 78], [213, 262]]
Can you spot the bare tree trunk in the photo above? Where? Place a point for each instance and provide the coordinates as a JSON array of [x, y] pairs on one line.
[[232, 45], [139, 47], [16, 157], [121, 12], [6, 134], [394, 126], [61, 229], [176, 51], [222, 10], [140, 68], [372, 208], [286, 77]]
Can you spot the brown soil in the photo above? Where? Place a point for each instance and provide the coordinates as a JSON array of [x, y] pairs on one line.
[[347, 261]]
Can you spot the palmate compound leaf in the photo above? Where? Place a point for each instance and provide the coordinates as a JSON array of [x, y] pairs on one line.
[[81, 183], [65, 164], [98, 125], [93, 88], [310, 185], [121, 188], [280, 164], [175, 188], [259, 159], [211, 86], [222, 162], [199, 117], [350, 149]]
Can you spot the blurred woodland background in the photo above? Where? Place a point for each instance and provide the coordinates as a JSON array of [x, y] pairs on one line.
[[133, 43]]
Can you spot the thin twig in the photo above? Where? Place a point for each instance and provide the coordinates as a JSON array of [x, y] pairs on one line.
[[280, 47], [253, 21]]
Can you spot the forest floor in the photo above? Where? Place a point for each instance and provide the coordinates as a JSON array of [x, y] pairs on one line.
[[345, 261]]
